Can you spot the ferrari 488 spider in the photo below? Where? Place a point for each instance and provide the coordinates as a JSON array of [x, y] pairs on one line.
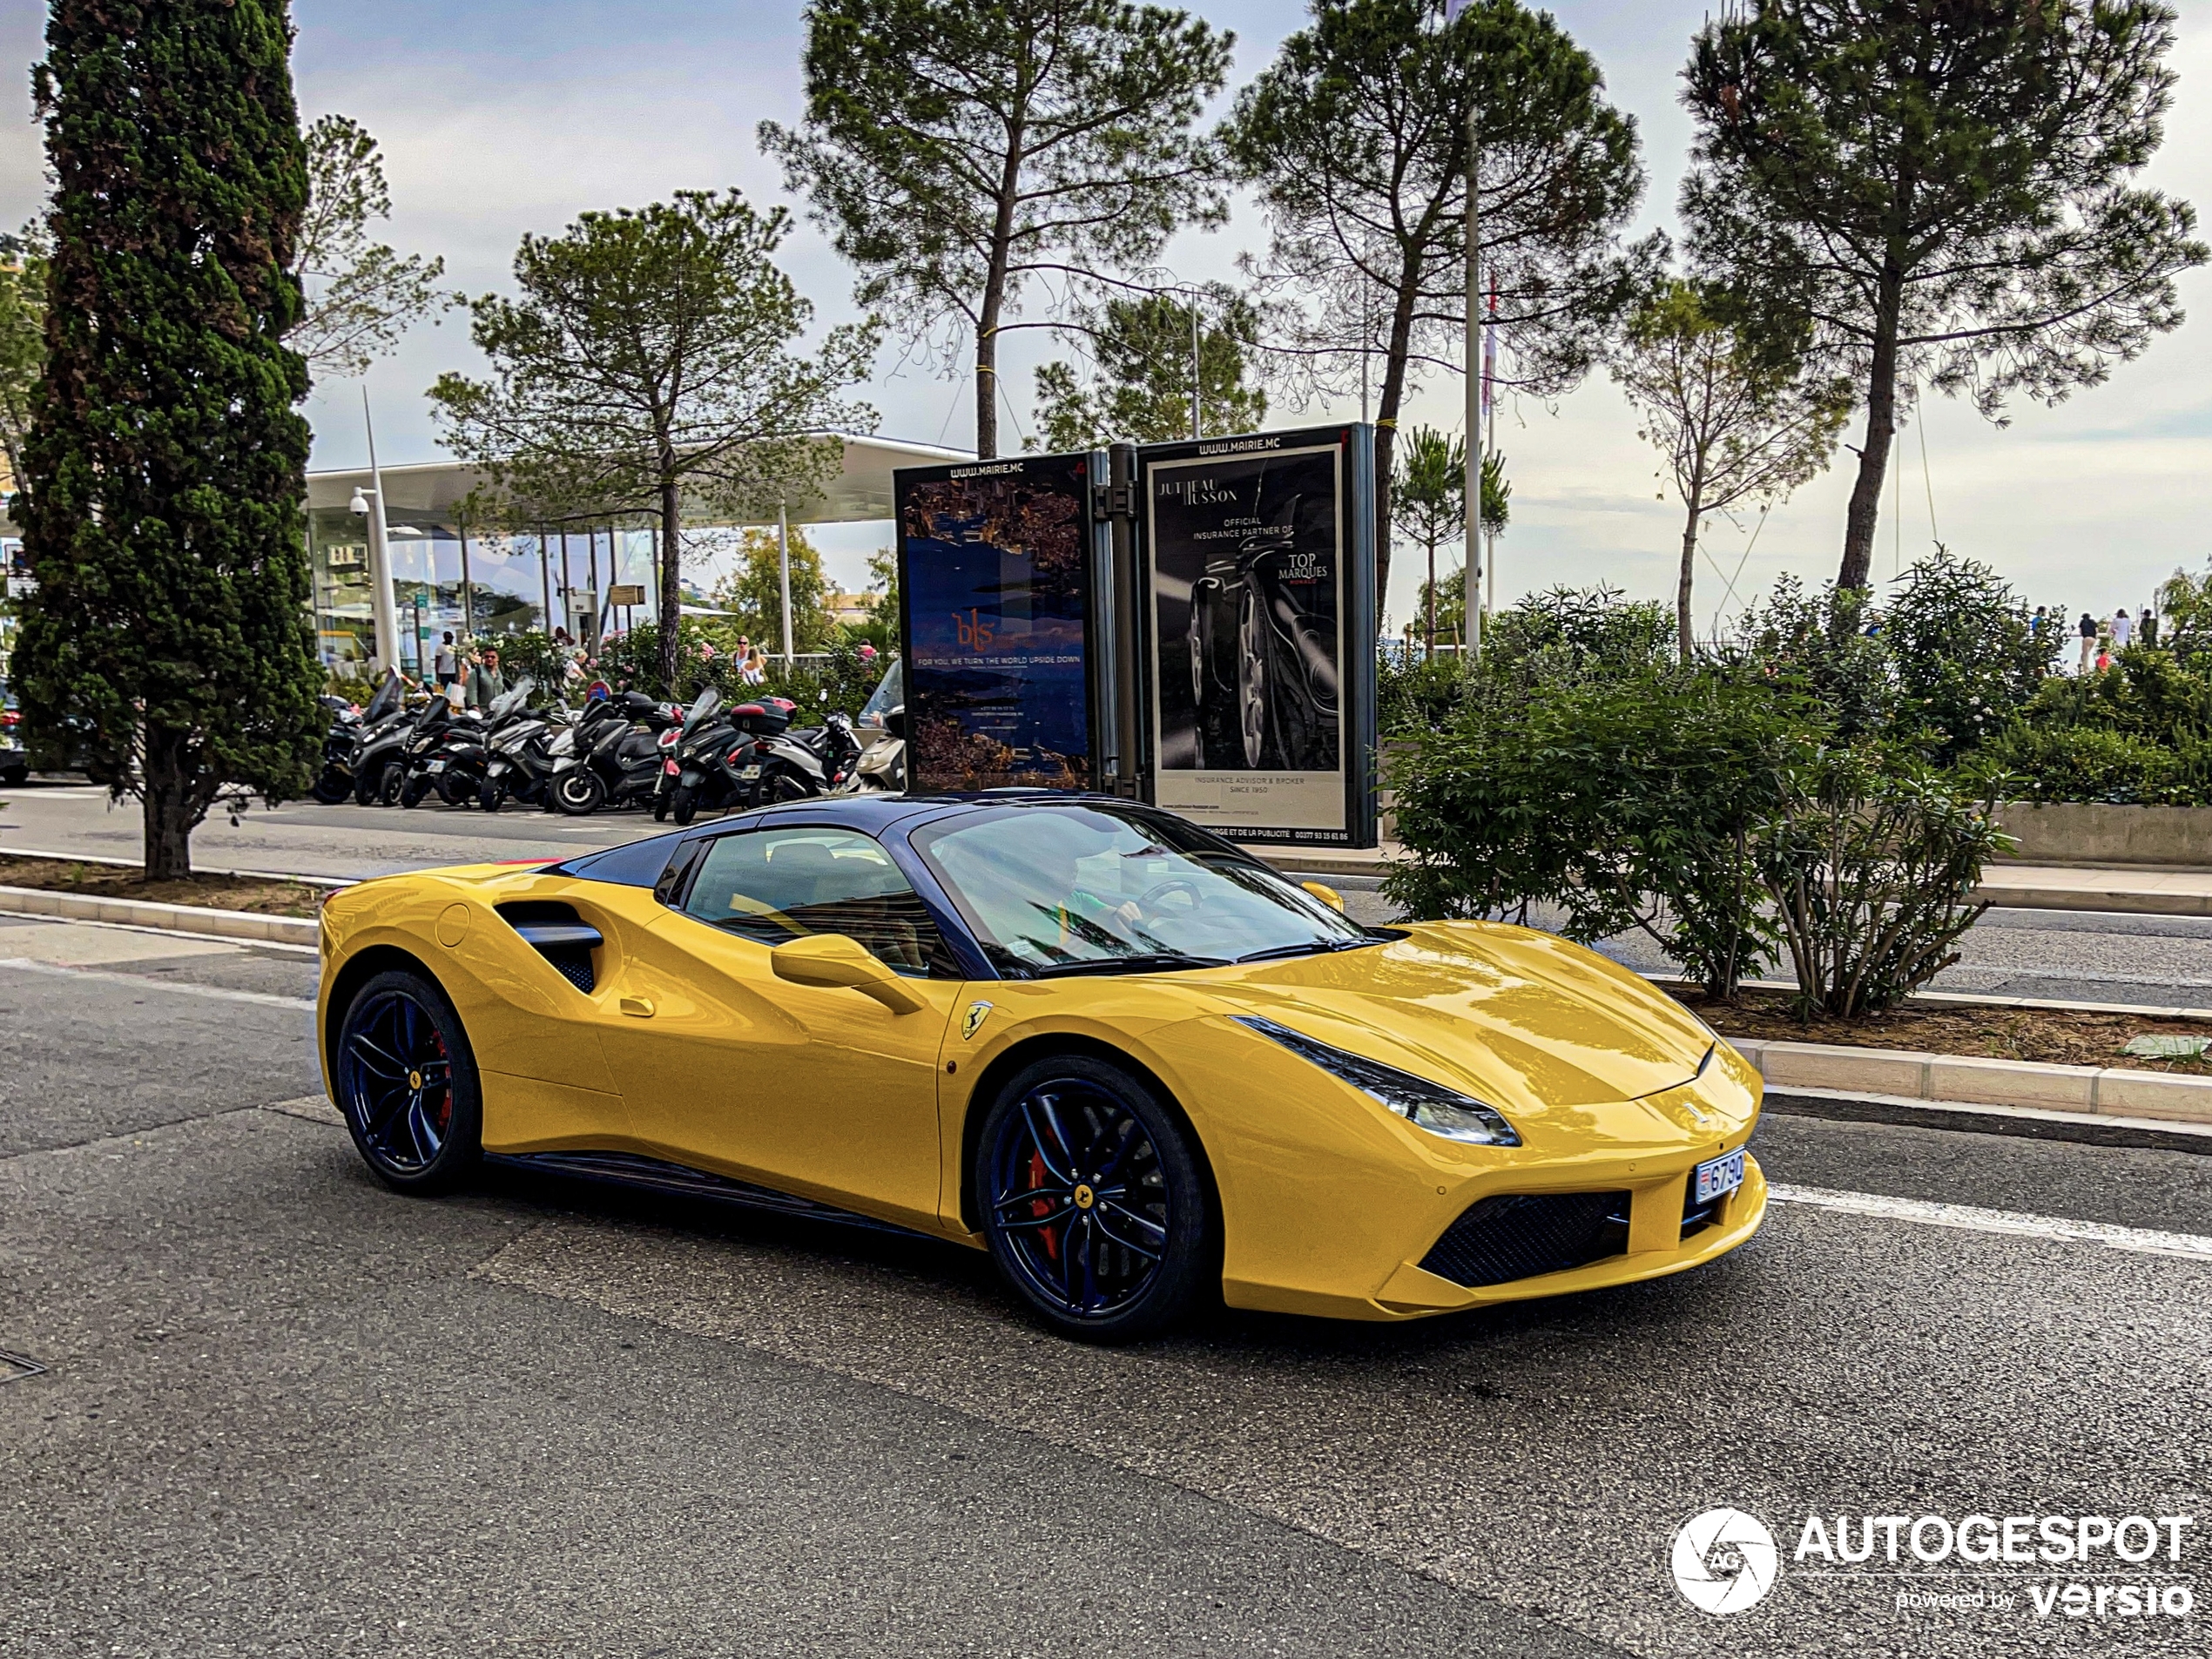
[[1129, 1060]]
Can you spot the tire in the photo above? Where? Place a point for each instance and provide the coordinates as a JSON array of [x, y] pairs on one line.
[[579, 792], [1251, 676], [491, 796], [456, 789], [391, 783], [660, 808], [1063, 1129], [683, 804], [331, 789], [368, 785], [406, 1080], [412, 792]]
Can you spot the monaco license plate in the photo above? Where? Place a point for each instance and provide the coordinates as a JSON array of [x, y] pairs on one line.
[[435, 765], [748, 774], [1717, 1175]]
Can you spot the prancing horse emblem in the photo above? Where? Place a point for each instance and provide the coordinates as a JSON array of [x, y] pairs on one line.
[[976, 1014]]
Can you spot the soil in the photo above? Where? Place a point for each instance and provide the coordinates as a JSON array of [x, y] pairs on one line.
[[261, 897], [2053, 1037]]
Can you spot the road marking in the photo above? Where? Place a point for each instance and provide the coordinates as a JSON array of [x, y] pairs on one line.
[[1967, 1218], [220, 993]]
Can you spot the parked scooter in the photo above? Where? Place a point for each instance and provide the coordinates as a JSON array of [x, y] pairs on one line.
[[441, 733], [716, 765], [518, 759], [881, 728], [379, 772], [350, 731], [455, 765], [615, 759], [786, 764]]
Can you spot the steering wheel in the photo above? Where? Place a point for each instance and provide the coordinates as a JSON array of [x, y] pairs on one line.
[[1173, 884]]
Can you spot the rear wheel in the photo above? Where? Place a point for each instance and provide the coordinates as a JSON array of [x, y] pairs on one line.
[[578, 793], [331, 788], [1093, 1202], [407, 1083]]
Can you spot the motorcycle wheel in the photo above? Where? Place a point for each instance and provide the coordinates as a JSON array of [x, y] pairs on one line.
[[412, 792], [660, 809], [331, 789], [389, 783], [579, 793], [683, 805], [491, 796], [455, 790]]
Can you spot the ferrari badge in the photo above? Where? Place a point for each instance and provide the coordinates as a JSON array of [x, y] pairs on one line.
[[977, 1012]]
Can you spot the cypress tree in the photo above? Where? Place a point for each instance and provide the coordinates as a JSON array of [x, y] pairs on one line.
[[169, 641]]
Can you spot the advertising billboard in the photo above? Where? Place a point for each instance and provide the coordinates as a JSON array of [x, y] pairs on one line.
[[995, 595], [1258, 561]]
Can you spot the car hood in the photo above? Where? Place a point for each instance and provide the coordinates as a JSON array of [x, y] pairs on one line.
[[1518, 1018]]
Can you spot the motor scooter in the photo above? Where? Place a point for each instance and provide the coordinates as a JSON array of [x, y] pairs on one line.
[[615, 759]]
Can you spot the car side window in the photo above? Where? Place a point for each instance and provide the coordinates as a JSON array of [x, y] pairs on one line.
[[774, 885]]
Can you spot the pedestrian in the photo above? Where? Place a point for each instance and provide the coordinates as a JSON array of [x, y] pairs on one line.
[[2090, 632], [2036, 622], [445, 661], [756, 668], [486, 684], [2123, 629]]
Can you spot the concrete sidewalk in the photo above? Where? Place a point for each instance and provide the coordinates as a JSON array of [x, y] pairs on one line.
[[2021, 886]]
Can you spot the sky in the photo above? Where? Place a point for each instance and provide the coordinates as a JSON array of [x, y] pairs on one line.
[[507, 117]]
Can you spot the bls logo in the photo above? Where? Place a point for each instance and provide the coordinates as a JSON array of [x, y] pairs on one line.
[[975, 630]]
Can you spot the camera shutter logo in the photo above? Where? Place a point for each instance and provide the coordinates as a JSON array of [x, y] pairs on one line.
[[1725, 1561]]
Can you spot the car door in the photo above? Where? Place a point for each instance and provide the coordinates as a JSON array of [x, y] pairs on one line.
[[821, 1091]]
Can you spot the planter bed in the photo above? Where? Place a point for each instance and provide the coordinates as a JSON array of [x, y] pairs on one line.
[[2047, 1036], [253, 894]]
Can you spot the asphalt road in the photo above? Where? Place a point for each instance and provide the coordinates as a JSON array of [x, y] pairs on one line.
[[287, 1412], [2163, 961]]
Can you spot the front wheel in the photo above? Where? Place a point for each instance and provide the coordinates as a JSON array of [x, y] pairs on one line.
[[1093, 1202], [407, 1083], [489, 797], [578, 793], [412, 792], [684, 804]]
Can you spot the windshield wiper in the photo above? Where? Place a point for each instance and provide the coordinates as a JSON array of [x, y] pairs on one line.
[[1143, 962], [1310, 947]]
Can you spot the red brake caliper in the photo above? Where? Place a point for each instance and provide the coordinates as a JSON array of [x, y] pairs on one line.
[[1043, 1207]]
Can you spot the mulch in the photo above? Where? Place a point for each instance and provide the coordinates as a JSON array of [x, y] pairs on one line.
[[263, 898], [2053, 1036]]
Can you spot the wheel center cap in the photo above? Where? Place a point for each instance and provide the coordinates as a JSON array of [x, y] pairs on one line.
[[415, 1080], [1084, 1198]]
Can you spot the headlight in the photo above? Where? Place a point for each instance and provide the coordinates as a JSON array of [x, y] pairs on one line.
[[1422, 1103]]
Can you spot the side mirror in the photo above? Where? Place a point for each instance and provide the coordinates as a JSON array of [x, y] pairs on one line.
[[1327, 895], [837, 960]]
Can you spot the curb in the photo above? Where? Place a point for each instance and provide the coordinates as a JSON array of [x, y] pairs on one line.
[[2026, 1123], [171, 918], [333, 882], [2068, 1094]]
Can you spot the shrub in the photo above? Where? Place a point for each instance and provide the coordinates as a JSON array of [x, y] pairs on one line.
[[1816, 645], [1415, 694], [1872, 864], [1964, 655], [2094, 763], [1626, 801]]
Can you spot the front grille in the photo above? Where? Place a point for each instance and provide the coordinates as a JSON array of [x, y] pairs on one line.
[[1697, 1217], [1520, 1234]]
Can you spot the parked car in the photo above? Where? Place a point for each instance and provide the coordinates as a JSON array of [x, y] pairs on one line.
[[14, 759]]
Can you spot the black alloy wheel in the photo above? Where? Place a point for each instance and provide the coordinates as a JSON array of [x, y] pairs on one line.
[[1093, 1202], [578, 791], [407, 1083], [683, 804], [491, 796]]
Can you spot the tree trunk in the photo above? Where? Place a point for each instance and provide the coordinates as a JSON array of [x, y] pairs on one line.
[[1881, 427], [170, 807], [1393, 393], [1682, 587], [1432, 601], [994, 305], [671, 590]]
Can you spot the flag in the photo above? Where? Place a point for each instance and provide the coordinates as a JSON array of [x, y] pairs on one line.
[[1490, 347]]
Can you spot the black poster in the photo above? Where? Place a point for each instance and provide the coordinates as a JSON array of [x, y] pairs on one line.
[[1257, 613], [993, 588]]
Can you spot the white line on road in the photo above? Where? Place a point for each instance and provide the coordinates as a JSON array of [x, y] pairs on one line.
[[1967, 1218], [222, 993]]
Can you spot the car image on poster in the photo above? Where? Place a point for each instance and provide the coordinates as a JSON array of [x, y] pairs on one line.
[[1246, 545], [993, 586]]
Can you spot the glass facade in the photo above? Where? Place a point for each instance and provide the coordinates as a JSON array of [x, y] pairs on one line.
[[511, 583]]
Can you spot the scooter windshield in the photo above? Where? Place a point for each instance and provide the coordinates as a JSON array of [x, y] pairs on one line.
[[508, 701], [703, 710]]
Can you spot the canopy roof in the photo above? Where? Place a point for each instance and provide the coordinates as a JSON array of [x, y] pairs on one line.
[[433, 489]]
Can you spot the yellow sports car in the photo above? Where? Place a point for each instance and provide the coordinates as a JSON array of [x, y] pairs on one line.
[[1136, 1064]]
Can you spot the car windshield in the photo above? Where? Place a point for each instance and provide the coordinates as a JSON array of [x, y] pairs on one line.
[[1068, 888]]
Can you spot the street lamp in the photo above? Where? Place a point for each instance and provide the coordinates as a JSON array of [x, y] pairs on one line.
[[369, 505]]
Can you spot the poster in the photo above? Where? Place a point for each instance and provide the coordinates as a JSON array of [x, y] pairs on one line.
[[993, 588], [1251, 560]]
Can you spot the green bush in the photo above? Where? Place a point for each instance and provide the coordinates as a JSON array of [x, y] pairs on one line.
[[1965, 657], [1414, 694], [1625, 800], [1872, 864], [1816, 645], [2087, 763]]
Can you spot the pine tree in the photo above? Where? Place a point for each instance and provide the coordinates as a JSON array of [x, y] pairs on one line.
[[166, 463]]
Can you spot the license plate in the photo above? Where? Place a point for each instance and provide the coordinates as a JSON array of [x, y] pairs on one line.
[[435, 765], [1717, 1175], [748, 774]]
